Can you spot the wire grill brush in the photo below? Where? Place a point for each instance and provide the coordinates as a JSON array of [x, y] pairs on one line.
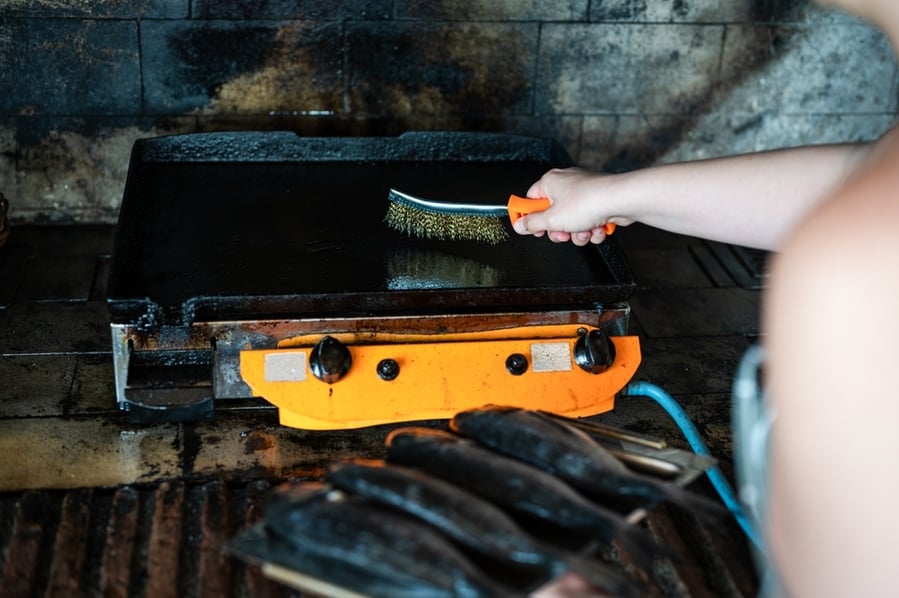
[[450, 221]]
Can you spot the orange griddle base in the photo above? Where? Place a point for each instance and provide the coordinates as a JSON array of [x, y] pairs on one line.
[[352, 380]]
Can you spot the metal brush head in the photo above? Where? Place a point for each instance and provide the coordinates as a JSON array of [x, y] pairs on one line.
[[445, 221]]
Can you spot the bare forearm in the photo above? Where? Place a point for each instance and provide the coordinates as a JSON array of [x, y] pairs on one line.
[[752, 200]]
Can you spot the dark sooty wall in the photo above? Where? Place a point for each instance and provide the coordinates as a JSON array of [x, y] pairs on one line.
[[620, 83]]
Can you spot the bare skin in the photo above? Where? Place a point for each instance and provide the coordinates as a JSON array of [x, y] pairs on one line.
[[830, 320], [751, 200]]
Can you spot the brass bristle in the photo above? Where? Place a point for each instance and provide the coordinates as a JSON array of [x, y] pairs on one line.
[[419, 222], [417, 268]]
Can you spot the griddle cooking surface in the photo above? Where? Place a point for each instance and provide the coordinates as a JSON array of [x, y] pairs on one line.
[[255, 225]]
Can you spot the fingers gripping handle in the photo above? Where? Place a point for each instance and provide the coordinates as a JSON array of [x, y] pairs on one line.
[[519, 206]]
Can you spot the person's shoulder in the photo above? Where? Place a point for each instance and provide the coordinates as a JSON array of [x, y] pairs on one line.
[[866, 204], [851, 239], [866, 207]]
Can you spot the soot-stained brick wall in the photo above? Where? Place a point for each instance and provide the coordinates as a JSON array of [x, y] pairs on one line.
[[620, 83]]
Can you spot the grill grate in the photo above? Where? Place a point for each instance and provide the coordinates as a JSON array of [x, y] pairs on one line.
[[168, 540], [164, 540]]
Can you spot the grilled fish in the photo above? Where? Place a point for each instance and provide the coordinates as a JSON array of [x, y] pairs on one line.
[[476, 524], [517, 487], [372, 550], [562, 450]]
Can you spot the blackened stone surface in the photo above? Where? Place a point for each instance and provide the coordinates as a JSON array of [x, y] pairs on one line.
[[691, 364], [63, 174], [696, 312], [54, 327], [13, 265], [850, 65], [119, 9], [92, 382], [679, 64], [333, 10], [248, 67], [58, 278], [35, 385], [686, 11], [675, 81], [88, 241], [660, 268], [69, 66], [439, 68], [618, 10], [511, 10]]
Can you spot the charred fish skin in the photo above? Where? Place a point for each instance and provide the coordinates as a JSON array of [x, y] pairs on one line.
[[513, 485], [519, 488], [502, 480], [558, 448], [340, 530], [523, 489], [475, 523], [351, 576], [535, 438]]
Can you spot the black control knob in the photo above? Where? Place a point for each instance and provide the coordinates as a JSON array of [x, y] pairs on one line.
[[594, 352], [517, 364], [330, 360], [388, 369]]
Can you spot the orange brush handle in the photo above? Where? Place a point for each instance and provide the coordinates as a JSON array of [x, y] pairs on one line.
[[519, 206]]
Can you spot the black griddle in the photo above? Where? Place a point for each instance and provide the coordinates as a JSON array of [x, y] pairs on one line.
[[239, 240], [251, 225]]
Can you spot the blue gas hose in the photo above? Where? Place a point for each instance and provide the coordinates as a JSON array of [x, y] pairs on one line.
[[680, 417]]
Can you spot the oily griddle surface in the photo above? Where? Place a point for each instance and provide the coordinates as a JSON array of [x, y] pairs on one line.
[[258, 232]]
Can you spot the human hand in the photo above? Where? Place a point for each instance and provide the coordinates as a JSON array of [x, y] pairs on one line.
[[577, 213]]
